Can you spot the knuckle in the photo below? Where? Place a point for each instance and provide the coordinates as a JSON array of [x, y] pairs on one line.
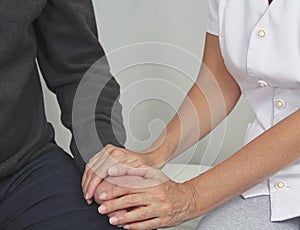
[[137, 163], [94, 158], [91, 168], [113, 154], [91, 171], [160, 223], [112, 193], [97, 193], [97, 200], [131, 200], [110, 207], [116, 153], [150, 226], [98, 173], [99, 190], [108, 147], [143, 214], [87, 168]]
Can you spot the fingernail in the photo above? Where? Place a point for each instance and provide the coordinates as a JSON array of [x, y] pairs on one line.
[[102, 209], [126, 227], [89, 202], [87, 196], [102, 196], [113, 220]]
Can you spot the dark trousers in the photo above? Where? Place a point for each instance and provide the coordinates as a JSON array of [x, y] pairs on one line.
[[46, 194]]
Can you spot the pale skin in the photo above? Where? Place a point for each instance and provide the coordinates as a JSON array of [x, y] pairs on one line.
[[168, 203]]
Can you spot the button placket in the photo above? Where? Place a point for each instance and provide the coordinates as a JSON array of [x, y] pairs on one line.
[[258, 37]]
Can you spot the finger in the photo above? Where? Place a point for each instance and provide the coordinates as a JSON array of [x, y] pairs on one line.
[[147, 173], [88, 176], [104, 152], [129, 201], [87, 172], [89, 201], [92, 185], [132, 170], [150, 174], [113, 193], [134, 162], [96, 171], [144, 225], [96, 174], [115, 187], [101, 190], [118, 170], [101, 166], [128, 184], [117, 213], [83, 179], [136, 215], [97, 160], [142, 172]]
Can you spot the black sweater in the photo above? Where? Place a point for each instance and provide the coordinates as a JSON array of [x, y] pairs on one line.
[[62, 36]]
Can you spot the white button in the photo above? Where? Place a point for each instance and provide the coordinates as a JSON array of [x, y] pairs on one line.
[[280, 104], [262, 83], [261, 33], [280, 185]]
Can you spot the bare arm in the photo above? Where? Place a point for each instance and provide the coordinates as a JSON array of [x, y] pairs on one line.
[[209, 101], [169, 203], [269, 153]]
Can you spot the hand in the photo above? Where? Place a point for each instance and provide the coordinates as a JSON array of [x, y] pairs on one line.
[[98, 167], [152, 201]]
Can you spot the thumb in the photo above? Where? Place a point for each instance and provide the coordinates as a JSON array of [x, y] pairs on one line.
[[117, 170]]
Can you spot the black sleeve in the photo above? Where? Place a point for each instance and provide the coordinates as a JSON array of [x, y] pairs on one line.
[[68, 47]]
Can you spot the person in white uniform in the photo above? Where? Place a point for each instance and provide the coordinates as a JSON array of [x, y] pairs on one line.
[[252, 49]]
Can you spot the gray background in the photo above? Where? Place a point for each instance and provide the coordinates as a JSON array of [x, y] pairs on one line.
[[169, 34]]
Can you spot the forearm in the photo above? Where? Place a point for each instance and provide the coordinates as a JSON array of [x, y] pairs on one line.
[[269, 153], [201, 111], [210, 100]]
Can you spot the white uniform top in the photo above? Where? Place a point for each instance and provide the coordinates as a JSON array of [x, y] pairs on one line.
[[260, 44]]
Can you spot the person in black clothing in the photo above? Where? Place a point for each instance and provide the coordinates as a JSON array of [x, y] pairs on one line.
[[39, 183]]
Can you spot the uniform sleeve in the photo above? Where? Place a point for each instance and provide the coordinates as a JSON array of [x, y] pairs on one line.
[[212, 25], [67, 48]]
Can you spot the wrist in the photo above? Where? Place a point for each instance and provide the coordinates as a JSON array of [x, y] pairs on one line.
[[189, 197], [153, 158], [193, 199], [159, 155]]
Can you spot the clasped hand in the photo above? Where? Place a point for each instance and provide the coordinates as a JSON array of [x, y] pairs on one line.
[[133, 194]]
